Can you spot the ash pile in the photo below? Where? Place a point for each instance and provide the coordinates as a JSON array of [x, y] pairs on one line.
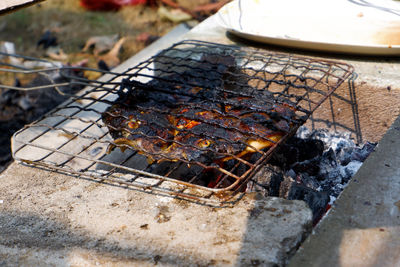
[[313, 166]]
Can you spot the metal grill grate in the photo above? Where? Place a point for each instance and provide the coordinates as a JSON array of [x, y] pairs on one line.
[[195, 92]]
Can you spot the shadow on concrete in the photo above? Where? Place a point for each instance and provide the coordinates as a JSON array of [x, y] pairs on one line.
[[51, 242]]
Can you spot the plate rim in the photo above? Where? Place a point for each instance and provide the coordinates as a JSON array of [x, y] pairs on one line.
[[224, 21]]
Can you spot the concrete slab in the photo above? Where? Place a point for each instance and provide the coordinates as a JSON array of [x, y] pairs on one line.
[[363, 228], [52, 219]]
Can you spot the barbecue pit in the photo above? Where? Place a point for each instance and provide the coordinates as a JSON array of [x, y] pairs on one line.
[[101, 224], [240, 104]]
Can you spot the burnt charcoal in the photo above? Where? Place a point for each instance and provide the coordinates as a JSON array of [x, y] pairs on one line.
[[331, 175], [271, 181], [241, 169], [317, 201], [343, 144], [284, 156], [296, 150], [332, 181], [319, 179], [310, 167], [362, 154], [344, 156], [310, 148], [9, 97], [291, 173], [43, 100], [17, 83], [329, 158], [275, 185], [162, 167], [308, 180], [349, 170], [7, 128]]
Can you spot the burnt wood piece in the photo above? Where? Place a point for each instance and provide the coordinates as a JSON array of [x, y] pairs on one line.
[[316, 200], [271, 181]]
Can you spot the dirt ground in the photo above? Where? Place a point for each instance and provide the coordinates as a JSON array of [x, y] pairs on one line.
[[73, 25]]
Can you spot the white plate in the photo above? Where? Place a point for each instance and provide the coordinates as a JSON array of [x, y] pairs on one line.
[[346, 26]]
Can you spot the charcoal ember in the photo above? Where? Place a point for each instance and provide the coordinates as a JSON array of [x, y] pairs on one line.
[[296, 150], [344, 156], [342, 143], [316, 200], [308, 180], [271, 181], [328, 164], [310, 167], [334, 140]]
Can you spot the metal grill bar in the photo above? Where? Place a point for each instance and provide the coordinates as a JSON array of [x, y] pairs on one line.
[[74, 138]]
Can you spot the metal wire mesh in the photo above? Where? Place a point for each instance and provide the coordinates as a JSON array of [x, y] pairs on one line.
[[218, 95]]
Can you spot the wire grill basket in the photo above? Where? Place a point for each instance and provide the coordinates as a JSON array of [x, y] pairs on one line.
[[218, 95]]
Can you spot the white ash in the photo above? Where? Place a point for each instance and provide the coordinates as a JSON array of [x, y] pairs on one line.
[[329, 171], [339, 162]]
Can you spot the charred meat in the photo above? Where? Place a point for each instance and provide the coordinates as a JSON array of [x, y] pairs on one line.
[[177, 118]]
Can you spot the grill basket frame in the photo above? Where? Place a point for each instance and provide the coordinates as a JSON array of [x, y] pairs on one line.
[[72, 138]]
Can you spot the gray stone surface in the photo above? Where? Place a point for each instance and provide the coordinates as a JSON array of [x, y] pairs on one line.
[[363, 229], [52, 219]]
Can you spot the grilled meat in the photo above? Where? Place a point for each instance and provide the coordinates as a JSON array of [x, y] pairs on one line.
[[187, 121]]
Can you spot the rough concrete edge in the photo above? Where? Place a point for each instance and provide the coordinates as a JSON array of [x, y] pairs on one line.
[[306, 255]]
